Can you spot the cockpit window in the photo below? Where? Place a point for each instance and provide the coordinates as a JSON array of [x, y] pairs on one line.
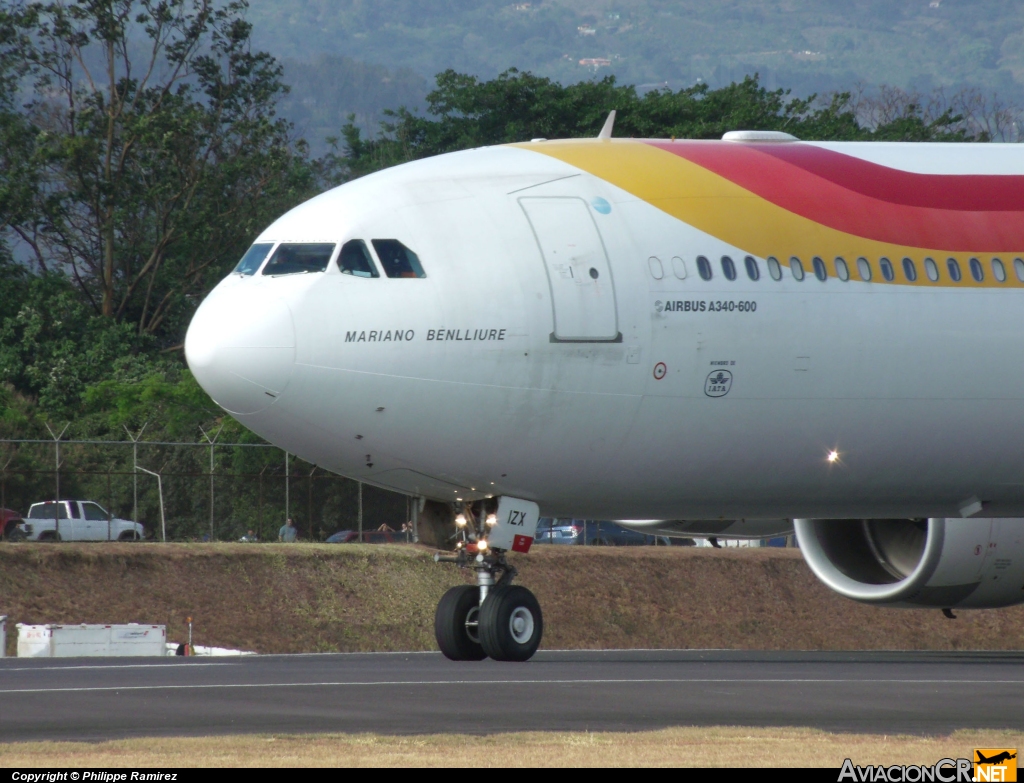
[[295, 259], [355, 259], [252, 259], [397, 259]]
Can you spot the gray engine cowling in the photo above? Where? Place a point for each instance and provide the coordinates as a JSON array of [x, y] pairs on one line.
[[966, 563], [706, 528]]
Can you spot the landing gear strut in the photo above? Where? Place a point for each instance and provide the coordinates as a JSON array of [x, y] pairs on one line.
[[495, 618]]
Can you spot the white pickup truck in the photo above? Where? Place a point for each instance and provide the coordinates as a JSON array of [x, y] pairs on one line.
[[77, 520]]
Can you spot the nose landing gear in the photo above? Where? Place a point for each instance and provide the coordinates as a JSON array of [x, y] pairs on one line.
[[494, 619], [510, 624]]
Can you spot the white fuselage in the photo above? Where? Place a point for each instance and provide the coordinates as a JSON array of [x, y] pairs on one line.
[[490, 376]]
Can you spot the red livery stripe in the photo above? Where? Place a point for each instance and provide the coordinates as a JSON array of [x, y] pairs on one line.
[[966, 213]]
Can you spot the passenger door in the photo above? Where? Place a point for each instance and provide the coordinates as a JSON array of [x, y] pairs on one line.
[[96, 522], [76, 525], [582, 290]]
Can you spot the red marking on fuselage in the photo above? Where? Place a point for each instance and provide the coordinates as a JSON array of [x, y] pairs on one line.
[[965, 213]]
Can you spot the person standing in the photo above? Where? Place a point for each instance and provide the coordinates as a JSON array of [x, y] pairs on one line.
[[288, 533]]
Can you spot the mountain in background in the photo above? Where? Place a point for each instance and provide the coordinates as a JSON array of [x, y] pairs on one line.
[[364, 56], [327, 89]]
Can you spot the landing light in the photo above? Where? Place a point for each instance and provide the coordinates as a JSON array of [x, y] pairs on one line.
[[460, 520], [492, 520], [833, 456]]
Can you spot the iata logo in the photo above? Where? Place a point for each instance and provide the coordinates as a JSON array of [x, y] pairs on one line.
[[995, 764], [718, 383]]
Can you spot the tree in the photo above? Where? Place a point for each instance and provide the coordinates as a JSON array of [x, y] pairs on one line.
[[158, 148], [465, 112]]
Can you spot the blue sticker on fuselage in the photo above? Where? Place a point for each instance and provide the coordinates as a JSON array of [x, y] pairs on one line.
[[600, 205]]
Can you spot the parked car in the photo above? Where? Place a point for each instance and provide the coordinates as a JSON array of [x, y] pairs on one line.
[[77, 520], [369, 537], [592, 533], [9, 525]]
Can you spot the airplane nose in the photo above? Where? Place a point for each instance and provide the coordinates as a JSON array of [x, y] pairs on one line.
[[240, 347]]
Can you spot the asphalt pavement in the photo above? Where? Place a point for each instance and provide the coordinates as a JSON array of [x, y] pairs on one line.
[[403, 693]]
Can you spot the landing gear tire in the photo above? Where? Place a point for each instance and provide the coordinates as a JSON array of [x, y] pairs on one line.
[[456, 624], [511, 624]]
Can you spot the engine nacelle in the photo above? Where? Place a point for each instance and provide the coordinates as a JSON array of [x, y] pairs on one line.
[[708, 528], [940, 563]]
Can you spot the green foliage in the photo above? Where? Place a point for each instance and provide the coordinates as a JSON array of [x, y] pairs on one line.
[[51, 346], [154, 174], [171, 398], [466, 112]]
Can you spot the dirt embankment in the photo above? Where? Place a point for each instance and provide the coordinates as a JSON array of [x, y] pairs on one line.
[[321, 598]]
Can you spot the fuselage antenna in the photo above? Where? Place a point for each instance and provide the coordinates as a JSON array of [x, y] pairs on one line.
[[606, 131]]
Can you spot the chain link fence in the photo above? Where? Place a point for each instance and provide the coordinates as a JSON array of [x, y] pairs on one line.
[[212, 491]]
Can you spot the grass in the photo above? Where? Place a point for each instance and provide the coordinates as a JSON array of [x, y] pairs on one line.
[[699, 747], [286, 598]]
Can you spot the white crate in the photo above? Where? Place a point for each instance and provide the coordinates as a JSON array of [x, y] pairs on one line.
[[72, 641]]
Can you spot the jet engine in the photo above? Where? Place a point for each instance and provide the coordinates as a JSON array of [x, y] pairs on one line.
[[941, 563], [708, 528]]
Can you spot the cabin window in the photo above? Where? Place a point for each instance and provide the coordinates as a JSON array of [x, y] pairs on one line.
[[977, 270], [753, 271], [657, 270], [49, 510], [253, 258], [397, 259], [819, 269], [909, 269], [1018, 267], [887, 270], [678, 267], [728, 268], [796, 268], [954, 270], [998, 270], [355, 259], [292, 258], [704, 268], [931, 269], [842, 270], [93, 512], [775, 268], [864, 269]]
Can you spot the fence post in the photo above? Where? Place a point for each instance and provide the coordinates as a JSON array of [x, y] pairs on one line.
[[309, 509], [259, 517], [360, 512], [3, 487], [416, 519], [287, 488], [56, 472], [211, 442], [135, 470], [160, 490]]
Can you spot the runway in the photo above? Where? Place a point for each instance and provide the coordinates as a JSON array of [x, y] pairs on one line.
[[402, 693]]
